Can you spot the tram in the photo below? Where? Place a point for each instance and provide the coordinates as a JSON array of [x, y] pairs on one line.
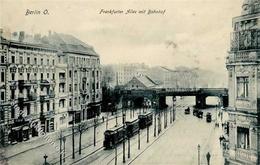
[[145, 120], [132, 127], [113, 136]]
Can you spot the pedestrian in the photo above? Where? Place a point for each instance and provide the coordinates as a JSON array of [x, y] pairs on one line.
[[208, 157], [103, 119]]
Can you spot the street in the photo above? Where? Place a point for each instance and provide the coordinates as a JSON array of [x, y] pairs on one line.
[[176, 144]]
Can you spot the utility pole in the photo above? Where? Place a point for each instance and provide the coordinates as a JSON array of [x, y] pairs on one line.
[[128, 146], [115, 154], [148, 134], [95, 126], [154, 132], [60, 148], [139, 139], [198, 154], [124, 137], [64, 142], [73, 137]]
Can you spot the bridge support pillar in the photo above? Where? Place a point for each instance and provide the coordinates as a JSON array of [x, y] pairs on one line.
[[162, 102], [200, 101], [224, 101]]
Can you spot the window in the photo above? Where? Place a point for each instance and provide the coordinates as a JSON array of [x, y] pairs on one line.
[[2, 76], [93, 73], [70, 88], [70, 103], [28, 110], [76, 87], [12, 94], [28, 76], [21, 60], [48, 62], [53, 106], [41, 61], [53, 62], [97, 86], [53, 76], [35, 76], [28, 60], [70, 74], [35, 60], [243, 138], [13, 59], [48, 106], [12, 112], [13, 76], [242, 87], [42, 107], [41, 76], [48, 75], [2, 95], [2, 59]]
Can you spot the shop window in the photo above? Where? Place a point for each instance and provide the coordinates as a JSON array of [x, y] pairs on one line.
[[243, 138], [242, 87]]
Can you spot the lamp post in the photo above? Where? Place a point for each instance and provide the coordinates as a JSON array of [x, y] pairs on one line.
[[45, 160], [198, 154], [60, 147], [95, 127], [139, 139], [128, 146], [64, 141], [73, 137], [154, 132]]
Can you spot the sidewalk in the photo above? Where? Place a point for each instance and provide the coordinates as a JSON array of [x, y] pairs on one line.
[[19, 148]]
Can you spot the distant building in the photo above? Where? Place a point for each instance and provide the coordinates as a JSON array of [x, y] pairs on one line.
[[140, 82], [244, 87], [125, 72], [46, 80]]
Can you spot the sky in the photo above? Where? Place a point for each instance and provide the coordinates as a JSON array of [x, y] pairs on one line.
[[192, 33]]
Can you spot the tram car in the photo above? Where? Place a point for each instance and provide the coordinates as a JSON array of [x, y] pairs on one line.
[[113, 136], [145, 120], [132, 127]]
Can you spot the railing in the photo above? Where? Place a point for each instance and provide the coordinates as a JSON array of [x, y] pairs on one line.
[[243, 57], [246, 155], [245, 40]]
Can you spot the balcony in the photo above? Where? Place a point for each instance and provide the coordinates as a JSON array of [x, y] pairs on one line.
[[26, 83], [245, 40], [46, 82], [245, 56], [246, 155], [13, 85]]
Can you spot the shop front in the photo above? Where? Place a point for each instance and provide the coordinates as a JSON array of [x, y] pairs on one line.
[[20, 130], [94, 109]]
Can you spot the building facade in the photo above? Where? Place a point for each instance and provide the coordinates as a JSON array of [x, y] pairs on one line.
[[45, 81], [244, 87]]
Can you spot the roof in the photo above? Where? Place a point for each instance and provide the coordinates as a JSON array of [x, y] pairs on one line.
[[69, 43], [147, 81]]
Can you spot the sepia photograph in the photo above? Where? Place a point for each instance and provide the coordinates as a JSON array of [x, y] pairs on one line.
[[129, 82]]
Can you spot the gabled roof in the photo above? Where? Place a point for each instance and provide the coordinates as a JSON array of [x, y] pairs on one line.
[[147, 81]]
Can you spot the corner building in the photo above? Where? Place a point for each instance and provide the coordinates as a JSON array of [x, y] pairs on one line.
[[244, 87], [47, 80]]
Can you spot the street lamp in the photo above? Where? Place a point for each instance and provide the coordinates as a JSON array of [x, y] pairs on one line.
[[45, 160], [60, 148], [95, 126], [64, 140], [198, 154]]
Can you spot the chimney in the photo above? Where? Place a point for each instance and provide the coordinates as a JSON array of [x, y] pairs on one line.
[[21, 36]]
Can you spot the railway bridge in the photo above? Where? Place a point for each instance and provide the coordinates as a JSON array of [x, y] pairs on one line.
[[158, 95]]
